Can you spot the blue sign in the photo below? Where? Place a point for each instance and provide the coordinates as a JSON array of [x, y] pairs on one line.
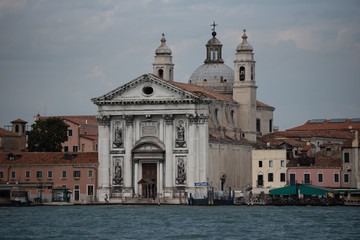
[[201, 184]]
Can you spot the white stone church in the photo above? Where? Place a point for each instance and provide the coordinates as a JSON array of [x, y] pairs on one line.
[[162, 140]]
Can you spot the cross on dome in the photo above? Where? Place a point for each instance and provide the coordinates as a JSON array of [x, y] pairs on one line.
[[213, 29], [213, 25]]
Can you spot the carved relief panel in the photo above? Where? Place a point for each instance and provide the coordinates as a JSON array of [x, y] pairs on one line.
[[180, 170], [118, 166], [149, 128], [118, 134], [180, 141]]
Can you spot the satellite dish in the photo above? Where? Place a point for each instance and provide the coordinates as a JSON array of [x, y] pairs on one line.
[[350, 127]]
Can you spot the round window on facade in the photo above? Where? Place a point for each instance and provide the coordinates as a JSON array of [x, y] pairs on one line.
[[148, 90]]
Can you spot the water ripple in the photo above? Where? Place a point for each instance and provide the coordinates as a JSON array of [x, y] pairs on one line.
[[179, 222]]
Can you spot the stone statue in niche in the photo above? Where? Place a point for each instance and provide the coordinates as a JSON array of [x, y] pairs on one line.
[[180, 140], [118, 137], [118, 173], [181, 175]]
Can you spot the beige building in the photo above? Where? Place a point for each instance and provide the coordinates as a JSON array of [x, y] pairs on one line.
[[268, 169]]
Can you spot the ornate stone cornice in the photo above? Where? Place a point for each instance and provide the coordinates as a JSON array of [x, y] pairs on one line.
[[169, 119], [203, 118], [129, 119], [198, 119], [104, 120]]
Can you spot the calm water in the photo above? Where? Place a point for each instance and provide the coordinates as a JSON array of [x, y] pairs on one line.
[[179, 222]]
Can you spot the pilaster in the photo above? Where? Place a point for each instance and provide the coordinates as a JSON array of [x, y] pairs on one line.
[[129, 119], [169, 124], [104, 157], [192, 159]]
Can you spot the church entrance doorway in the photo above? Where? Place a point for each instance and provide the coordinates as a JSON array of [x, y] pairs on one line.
[[149, 180]]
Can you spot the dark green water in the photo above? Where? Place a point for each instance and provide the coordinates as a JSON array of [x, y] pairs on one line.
[[179, 222]]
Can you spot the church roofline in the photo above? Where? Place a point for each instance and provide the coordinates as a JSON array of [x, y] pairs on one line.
[[190, 97], [264, 106]]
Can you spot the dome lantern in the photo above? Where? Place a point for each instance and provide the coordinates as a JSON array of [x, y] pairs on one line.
[[214, 74], [244, 45]]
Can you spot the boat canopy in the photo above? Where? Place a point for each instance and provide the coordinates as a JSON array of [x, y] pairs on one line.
[[304, 190], [290, 190]]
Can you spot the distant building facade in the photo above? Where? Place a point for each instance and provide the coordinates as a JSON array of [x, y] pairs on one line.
[[268, 169], [321, 152], [82, 133], [41, 172], [14, 140]]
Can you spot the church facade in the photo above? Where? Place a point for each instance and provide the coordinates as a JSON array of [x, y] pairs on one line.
[[163, 140]]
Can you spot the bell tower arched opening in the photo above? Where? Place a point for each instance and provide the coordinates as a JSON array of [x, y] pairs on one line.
[[161, 73]]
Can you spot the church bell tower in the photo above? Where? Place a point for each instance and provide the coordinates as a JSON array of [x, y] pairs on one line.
[[163, 65], [244, 88]]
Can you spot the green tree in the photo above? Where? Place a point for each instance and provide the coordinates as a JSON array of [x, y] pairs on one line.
[[47, 135]]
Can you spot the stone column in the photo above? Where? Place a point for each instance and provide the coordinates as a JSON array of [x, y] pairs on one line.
[[136, 177], [104, 157], [169, 178], [161, 169], [128, 147]]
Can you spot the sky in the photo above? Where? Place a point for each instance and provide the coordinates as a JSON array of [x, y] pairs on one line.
[[57, 55]]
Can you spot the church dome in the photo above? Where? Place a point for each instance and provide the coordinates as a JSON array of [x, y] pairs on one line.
[[214, 74], [214, 41], [244, 45], [163, 49]]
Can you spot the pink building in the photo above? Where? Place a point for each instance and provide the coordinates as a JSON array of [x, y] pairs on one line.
[[41, 172], [319, 171], [82, 133]]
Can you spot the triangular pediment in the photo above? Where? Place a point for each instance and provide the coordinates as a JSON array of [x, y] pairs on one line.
[[146, 89]]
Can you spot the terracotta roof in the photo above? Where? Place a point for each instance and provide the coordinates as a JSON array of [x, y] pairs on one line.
[[19, 121], [327, 162], [79, 120], [204, 92], [324, 162], [347, 144], [314, 133], [199, 91], [91, 137], [332, 124], [46, 158], [4, 132], [261, 104], [277, 139], [306, 148]]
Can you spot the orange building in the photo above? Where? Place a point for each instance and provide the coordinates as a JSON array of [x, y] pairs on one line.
[[41, 172]]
